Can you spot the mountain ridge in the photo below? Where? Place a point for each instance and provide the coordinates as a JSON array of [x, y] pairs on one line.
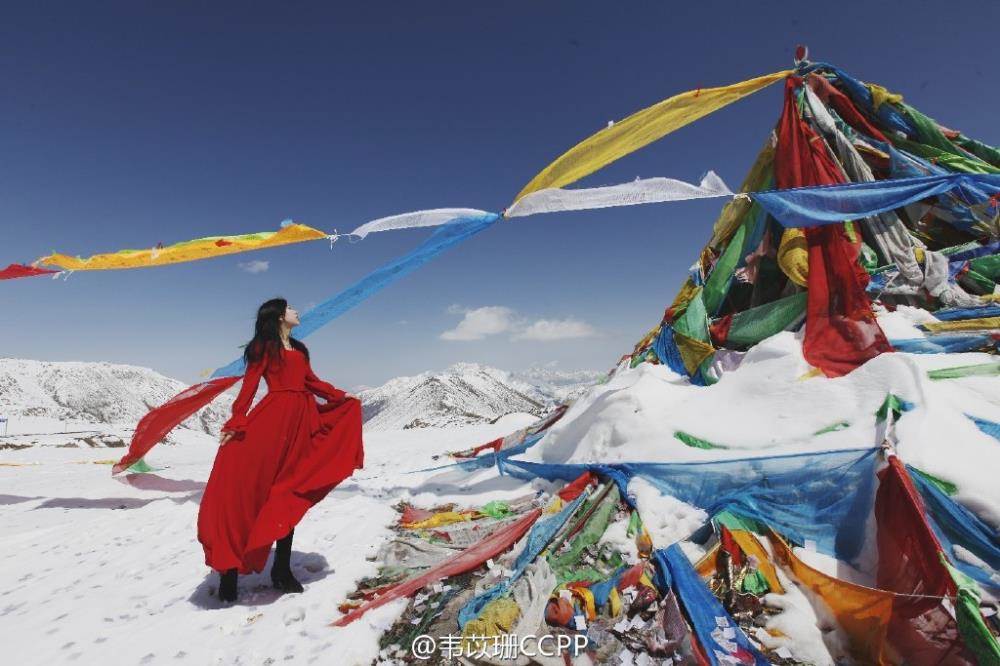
[[93, 404], [467, 394]]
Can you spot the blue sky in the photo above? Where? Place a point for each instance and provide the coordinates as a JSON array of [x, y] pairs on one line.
[[125, 124]]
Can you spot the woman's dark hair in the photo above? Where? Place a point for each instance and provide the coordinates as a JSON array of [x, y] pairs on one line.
[[266, 342]]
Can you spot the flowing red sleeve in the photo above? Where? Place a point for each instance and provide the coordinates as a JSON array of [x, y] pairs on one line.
[[155, 425], [333, 395], [251, 381]]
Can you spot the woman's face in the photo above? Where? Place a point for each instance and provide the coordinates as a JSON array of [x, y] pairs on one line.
[[291, 317]]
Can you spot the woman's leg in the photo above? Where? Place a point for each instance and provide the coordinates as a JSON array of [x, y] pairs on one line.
[[227, 585], [281, 570]]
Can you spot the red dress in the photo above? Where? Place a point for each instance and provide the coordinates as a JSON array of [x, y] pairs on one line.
[[285, 456]]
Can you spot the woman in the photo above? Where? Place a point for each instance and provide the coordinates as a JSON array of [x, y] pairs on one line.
[[277, 460]]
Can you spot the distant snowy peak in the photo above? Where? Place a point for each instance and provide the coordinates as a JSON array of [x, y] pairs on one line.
[[41, 397], [83, 404], [467, 393], [559, 385]]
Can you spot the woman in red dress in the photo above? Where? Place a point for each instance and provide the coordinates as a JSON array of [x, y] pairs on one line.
[[278, 460]]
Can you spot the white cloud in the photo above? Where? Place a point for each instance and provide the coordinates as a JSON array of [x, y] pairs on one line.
[[478, 323], [254, 266], [556, 329]]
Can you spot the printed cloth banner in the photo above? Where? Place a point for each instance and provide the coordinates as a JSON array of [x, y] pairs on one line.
[[806, 496], [641, 129], [909, 564], [539, 537], [841, 329], [639, 191], [816, 206], [14, 271], [953, 525], [444, 238], [193, 250], [416, 219], [722, 639], [945, 344], [466, 560]]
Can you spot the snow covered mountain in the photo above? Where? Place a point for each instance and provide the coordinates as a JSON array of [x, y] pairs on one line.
[[78, 404], [558, 386], [468, 393]]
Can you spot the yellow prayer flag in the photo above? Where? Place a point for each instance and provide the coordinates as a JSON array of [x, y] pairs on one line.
[[641, 129], [793, 256], [193, 250], [981, 324]]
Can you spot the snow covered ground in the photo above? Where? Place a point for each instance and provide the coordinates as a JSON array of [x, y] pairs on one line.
[[772, 406], [100, 571]]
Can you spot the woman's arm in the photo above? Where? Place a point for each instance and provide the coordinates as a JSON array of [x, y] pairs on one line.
[[251, 381], [333, 395]]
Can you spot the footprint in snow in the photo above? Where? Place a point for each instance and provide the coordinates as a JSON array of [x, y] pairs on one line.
[[294, 615]]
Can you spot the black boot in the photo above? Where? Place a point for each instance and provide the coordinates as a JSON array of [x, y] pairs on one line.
[[227, 585], [281, 570]]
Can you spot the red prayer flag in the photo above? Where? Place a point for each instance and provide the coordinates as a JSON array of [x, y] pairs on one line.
[[412, 514], [921, 629], [841, 329], [493, 445], [719, 330], [844, 107], [728, 544], [466, 560], [573, 489], [15, 271]]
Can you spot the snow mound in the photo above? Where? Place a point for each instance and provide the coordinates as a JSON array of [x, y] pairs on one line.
[[771, 405]]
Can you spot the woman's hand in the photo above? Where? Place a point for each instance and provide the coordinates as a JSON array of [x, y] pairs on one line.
[[225, 438]]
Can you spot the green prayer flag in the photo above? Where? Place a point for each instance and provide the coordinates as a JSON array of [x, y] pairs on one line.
[[754, 583], [978, 370], [833, 428], [140, 466], [979, 639], [496, 509], [947, 487], [696, 442]]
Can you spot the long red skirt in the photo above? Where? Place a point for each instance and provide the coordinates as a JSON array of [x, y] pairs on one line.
[[262, 485]]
